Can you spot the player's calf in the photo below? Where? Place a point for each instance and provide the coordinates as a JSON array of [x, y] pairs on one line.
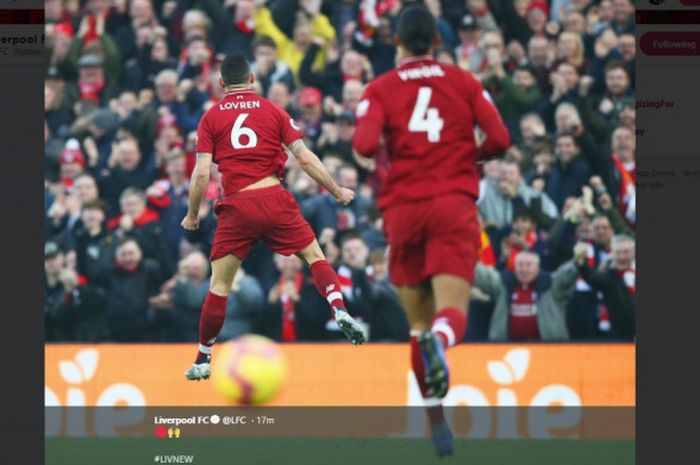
[[449, 325], [327, 283], [210, 324]]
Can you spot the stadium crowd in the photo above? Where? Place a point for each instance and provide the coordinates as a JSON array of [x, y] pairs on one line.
[[128, 80]]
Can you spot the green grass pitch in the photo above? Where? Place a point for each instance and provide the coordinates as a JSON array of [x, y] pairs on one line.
[[334, 451]]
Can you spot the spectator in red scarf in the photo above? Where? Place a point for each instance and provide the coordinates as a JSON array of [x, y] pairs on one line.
[[624, 173], [616, 281], [128, 283], [293, 305], [125, 169], [74, 309], [378, 46], [92, 83], [141, 223], [195, 60], [522, 236], [234, 28], [623, 151]]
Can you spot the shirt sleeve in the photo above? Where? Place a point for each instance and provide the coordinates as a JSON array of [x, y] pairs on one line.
[[205, 137], [370, 123], [289, 130]]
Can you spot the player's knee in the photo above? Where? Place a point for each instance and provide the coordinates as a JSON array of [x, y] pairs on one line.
[[220, 285], [312, 253]]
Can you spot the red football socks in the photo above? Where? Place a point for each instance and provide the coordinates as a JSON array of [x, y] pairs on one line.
[[326, 281], [449, 325], [210, 322]]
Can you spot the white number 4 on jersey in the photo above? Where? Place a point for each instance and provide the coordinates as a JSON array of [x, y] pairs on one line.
[[425, 119]]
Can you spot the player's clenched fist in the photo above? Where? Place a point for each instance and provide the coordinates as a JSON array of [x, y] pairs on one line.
[[344, 196], [190, 224]]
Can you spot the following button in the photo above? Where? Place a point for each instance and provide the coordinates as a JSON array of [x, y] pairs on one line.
[[670, 43]]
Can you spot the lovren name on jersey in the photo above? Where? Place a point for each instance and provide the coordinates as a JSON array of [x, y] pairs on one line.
[[245, 105]]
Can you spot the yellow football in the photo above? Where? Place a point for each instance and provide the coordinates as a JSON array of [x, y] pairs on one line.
[[249, 370]]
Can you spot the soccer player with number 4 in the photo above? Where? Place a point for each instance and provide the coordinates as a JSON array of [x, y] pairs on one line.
[[427, 114], [244, 134]]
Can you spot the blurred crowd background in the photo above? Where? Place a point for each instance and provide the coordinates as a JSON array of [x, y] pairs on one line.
[[127, 82]]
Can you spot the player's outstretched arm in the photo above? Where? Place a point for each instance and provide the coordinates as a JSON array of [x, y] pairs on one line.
[[309, 162], [198, 186]]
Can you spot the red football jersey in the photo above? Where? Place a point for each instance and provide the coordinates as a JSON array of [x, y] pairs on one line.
[[245, 132], [427, 112]]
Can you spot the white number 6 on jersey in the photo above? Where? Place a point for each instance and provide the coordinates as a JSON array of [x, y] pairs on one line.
[[239, 130], [424, 119]]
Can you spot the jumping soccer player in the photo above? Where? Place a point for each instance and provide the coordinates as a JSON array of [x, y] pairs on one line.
[[427, 113], [243, 134]]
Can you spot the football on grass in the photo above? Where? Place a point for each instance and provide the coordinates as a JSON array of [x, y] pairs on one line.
[[249, 370]]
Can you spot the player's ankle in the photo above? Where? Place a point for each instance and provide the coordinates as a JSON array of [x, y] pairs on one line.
[[203, 354]]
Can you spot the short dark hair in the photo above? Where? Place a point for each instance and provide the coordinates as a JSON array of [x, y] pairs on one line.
[[351, 235], [526, 67], [563, 134], [263, 41], [235, 69], [96, 204], [523, 214], [417, 29], [616, 64]]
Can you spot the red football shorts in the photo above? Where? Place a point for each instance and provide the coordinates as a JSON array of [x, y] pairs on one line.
[[434, 236], [270, 214]]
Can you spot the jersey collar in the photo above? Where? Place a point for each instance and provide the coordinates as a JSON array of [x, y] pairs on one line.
[[414, 59], [239, 92]]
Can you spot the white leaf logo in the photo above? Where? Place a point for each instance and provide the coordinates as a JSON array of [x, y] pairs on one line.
[[70, 372], [518, 360], [499, 372], [80, 370], [87, 360], [513, 367]]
